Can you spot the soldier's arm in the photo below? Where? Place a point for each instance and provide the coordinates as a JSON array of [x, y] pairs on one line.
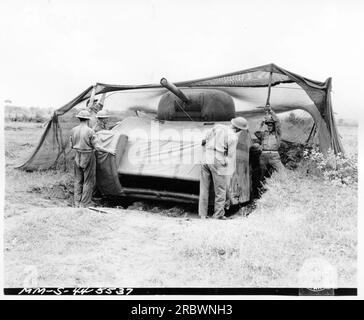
[[207, 136], [101, 101], [259, 135], [230, 150], [97, 146], [259, 132], [71, 140], [277, 123], [232, 144]]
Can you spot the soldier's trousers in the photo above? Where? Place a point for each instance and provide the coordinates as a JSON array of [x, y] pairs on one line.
[[271, 159], [209, 173], [85, 178]]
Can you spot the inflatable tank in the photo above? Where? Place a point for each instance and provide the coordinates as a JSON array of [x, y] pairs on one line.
[[160, 158]]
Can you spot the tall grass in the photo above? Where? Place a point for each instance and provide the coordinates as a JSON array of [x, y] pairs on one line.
[[299, 218]]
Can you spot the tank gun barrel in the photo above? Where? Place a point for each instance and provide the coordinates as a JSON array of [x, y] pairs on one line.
[[171, 87]]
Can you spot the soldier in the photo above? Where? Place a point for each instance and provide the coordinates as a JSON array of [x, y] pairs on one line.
[[270, 141], [102, 121], [219, 164], [84, 141], [93, 105]]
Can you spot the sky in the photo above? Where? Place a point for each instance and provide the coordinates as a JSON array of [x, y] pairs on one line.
[[53, 50]]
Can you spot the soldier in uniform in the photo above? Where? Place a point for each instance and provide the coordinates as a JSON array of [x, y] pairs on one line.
[[102, 117], [218, 164], [84, 141], [270, 140], [93, 105]]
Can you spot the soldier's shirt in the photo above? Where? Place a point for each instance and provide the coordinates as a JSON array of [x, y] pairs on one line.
[[221, 142], [270, 141], [83, 138]]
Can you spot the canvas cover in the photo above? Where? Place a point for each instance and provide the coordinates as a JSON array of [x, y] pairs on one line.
[[248, 88]]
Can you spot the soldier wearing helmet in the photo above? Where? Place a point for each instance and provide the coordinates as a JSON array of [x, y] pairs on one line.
[[84, 141], [102, 121], [270, 140], [218, 164]]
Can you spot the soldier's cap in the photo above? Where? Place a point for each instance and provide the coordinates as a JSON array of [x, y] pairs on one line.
[[102, 114], [240, 123], [84, 114]]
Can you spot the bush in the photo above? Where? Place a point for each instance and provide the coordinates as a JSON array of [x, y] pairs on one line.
[[39, 117], [24, 114], [295, 120], [332, 167]]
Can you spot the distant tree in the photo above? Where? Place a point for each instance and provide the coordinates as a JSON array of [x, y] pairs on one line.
[[299, 120], [292, 118]]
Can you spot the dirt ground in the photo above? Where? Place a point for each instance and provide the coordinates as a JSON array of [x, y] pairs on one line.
[[49, 243]]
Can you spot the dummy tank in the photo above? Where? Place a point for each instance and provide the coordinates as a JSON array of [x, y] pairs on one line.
[[150, 155], [160, 158]]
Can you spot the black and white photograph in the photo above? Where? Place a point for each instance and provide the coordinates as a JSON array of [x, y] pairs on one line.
[[180, 148]]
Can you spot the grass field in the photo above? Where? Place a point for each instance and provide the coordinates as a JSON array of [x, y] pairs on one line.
[[302, 233]]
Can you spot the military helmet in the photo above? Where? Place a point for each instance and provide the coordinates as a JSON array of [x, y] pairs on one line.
[[240, 123], [84, 114], [102, 114]]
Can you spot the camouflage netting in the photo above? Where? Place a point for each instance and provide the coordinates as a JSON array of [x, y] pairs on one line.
[[248, 88]]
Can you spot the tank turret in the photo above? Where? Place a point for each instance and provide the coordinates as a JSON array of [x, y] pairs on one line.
[[177, 92], [194, 104]]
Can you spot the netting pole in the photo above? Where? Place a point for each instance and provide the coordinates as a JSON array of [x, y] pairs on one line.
[[312, 132], [92, 96], [269, 87]]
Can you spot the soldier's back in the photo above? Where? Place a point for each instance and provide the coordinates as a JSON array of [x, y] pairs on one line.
[[82, 136]]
